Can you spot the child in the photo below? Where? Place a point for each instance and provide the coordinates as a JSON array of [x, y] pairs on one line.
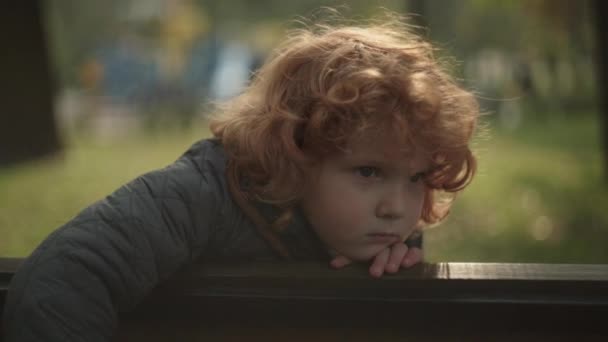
[[337, 151]]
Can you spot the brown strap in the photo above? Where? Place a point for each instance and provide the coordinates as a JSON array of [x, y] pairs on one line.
[[252, 213]]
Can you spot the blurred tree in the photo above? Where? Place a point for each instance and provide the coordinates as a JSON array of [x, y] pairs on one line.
[[28, 128], [419, 9], [568, 21], [601, 10]]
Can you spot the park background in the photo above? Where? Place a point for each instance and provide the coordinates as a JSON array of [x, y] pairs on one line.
[[133, 82]]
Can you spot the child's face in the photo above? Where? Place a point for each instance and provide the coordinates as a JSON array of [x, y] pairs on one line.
[[367, 198]]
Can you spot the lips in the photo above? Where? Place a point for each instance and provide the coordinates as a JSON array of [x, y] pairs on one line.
[[383, 237]]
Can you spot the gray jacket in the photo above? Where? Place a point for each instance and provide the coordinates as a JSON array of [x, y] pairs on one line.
[[112, 254]]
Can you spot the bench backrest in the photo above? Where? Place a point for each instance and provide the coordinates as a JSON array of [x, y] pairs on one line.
[[308, 301]]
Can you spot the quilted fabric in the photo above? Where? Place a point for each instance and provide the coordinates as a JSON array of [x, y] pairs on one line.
[[112, 254]]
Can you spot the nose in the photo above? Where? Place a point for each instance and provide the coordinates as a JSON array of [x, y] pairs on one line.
[[392, 204]]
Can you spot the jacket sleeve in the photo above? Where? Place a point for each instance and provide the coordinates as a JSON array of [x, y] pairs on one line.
[[112, 254]]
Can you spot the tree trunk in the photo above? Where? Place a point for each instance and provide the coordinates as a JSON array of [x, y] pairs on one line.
[[419, 10], [601, 25], [27, 124]]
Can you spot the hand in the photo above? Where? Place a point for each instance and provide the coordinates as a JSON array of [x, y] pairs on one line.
[[390, 259]]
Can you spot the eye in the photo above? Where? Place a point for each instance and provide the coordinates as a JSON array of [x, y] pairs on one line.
[[415, 178], [367, 171]]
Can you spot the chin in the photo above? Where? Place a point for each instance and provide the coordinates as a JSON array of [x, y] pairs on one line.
[[364, 254]]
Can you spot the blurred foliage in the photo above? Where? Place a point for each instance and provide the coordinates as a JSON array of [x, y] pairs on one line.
[[76, 28], [542, 51]]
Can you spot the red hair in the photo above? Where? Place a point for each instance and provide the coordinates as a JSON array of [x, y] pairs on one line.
[[325, 85]]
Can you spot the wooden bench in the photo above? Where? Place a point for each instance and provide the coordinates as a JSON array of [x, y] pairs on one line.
[[303, 302]]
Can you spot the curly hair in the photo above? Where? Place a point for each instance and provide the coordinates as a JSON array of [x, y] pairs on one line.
[[326, 85]]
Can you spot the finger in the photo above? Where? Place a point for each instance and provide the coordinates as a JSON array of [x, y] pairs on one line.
[[377, 268], [340, 261], [397, 253], [413, 256]]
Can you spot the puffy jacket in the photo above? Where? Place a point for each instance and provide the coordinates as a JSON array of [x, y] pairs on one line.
[[111, 255]]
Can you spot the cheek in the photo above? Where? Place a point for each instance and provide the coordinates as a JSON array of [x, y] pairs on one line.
[[418, 205], [420, 199], [339, 206], [346, 195]]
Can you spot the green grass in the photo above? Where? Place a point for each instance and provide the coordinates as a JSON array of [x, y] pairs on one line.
[[539, 195], [39, 196]]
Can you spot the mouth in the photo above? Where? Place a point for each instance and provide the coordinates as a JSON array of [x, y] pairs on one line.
[[383, 237]]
